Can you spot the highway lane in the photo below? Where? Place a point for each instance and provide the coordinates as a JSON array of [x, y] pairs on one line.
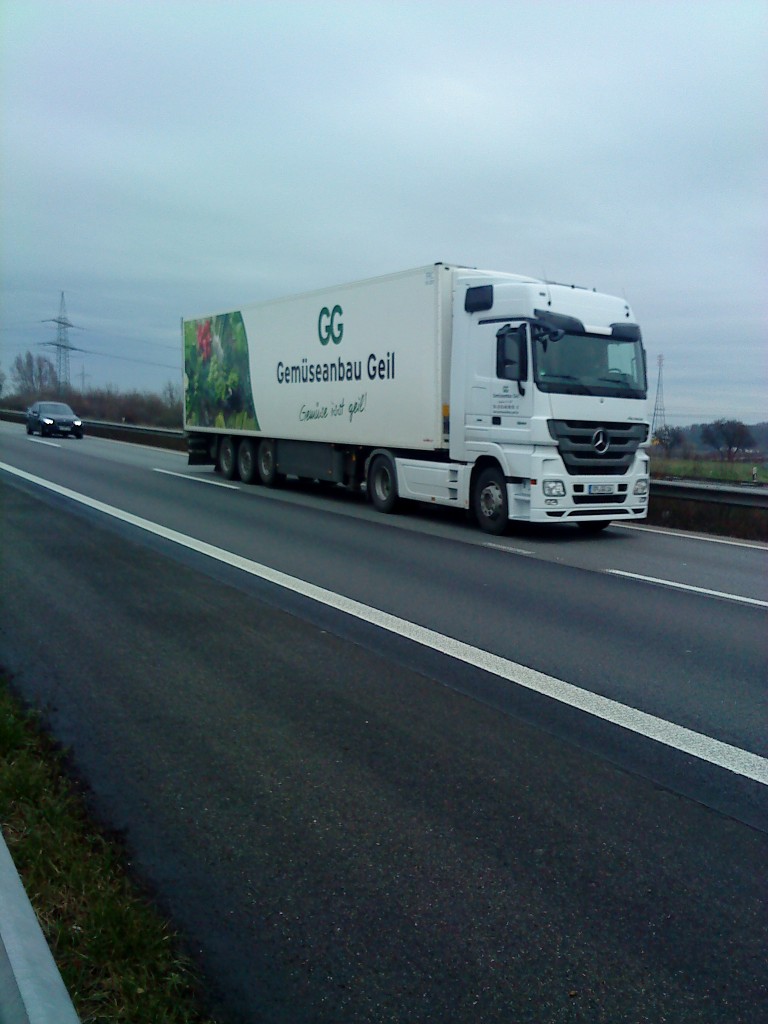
[[340, 838], [719, 564], [683, 655]]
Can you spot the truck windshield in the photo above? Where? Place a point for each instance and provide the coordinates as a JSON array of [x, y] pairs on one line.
[[590, 364]]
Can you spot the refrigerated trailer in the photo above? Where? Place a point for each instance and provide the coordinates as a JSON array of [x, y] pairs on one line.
[[511, 397]]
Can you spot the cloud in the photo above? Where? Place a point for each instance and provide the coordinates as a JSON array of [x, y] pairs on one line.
[[170, 158]]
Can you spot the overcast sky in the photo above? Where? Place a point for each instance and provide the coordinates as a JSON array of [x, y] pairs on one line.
[[165, 159]]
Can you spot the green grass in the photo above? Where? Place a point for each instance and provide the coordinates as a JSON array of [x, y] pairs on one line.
[[117, 955], [707, 469]]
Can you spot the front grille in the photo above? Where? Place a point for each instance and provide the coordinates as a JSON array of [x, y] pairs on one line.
[[615, 451], [599, 499]]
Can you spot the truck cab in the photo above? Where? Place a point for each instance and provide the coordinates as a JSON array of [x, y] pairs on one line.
[[548, 403]]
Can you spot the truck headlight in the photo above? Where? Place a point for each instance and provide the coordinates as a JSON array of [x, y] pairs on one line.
[[553, 488], [641, 487]]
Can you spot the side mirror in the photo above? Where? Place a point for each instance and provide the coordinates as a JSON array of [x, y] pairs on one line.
[[512, 355]]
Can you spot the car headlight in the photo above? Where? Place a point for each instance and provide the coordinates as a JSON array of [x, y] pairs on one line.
[[48, 422], [641, 487], [553, 488], [78, 423]]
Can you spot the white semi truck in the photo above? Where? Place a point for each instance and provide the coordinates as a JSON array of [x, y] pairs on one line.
[[515, 398]]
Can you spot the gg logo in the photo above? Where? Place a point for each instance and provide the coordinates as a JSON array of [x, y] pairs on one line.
[[329, 326]]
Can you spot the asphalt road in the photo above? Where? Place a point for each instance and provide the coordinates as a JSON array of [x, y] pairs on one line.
[[351, 826]]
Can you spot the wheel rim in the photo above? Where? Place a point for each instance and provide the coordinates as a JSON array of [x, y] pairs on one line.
[[383, 484], [491, 500], [266, 462]]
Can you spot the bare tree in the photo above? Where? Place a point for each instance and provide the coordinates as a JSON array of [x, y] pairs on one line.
[[727, 436], [669, 438], [33, 374]]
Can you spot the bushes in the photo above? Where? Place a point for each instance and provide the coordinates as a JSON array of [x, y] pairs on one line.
[[145, 409]]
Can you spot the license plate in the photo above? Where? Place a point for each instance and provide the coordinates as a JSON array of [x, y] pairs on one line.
[[602, 489]]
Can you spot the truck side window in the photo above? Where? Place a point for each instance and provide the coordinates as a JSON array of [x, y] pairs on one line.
[[511, 353]]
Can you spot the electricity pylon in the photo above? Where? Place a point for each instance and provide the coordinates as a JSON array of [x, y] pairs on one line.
[[659, 422], [62, 344]]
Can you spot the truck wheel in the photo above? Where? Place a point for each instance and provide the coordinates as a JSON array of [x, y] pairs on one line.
[[382, 484], [267, 464], [246, 461], [489, 501], [228, 458]]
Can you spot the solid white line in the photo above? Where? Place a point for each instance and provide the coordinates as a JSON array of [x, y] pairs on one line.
[[509, 551], [683, 534], [706, 748], [197, 479], [40, 440], [686, 586]]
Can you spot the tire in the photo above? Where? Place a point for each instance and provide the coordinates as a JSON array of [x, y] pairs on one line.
[[267, 464], [246, 461], [596, 526], [382, 484], [489, 501], [228, 458]]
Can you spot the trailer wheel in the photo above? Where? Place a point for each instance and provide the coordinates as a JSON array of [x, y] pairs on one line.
[[267, 464], [246, 461], [489, 501], [228, 458], [382, 484]]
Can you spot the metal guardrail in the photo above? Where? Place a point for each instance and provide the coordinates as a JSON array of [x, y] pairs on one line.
[[31, 989], [160, 437], [741, 495]]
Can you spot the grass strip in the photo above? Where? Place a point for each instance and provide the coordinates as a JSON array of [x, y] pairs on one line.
[[119, 958], [709, 470]]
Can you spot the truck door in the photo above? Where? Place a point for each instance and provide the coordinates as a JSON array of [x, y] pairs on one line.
[[500, 399]]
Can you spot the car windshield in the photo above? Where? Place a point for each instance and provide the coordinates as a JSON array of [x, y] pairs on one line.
[[590, 364], [55, 409]]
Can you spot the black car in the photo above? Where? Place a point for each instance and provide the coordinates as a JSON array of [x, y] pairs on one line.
[[53, 418]]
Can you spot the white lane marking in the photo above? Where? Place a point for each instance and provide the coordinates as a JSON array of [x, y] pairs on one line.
[[686, 586], [197, 479], [39, 440], [510, 551], [730, 541], [706, 748]]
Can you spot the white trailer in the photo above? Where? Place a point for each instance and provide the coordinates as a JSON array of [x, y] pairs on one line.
[[515, 398]]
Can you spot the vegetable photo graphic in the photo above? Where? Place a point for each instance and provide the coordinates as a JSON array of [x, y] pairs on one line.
[[217, 379]]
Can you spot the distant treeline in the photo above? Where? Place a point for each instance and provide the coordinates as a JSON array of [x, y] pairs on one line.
[[33, 377], [727, 439]]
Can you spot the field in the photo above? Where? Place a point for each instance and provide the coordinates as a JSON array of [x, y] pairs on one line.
[[711, 470]]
